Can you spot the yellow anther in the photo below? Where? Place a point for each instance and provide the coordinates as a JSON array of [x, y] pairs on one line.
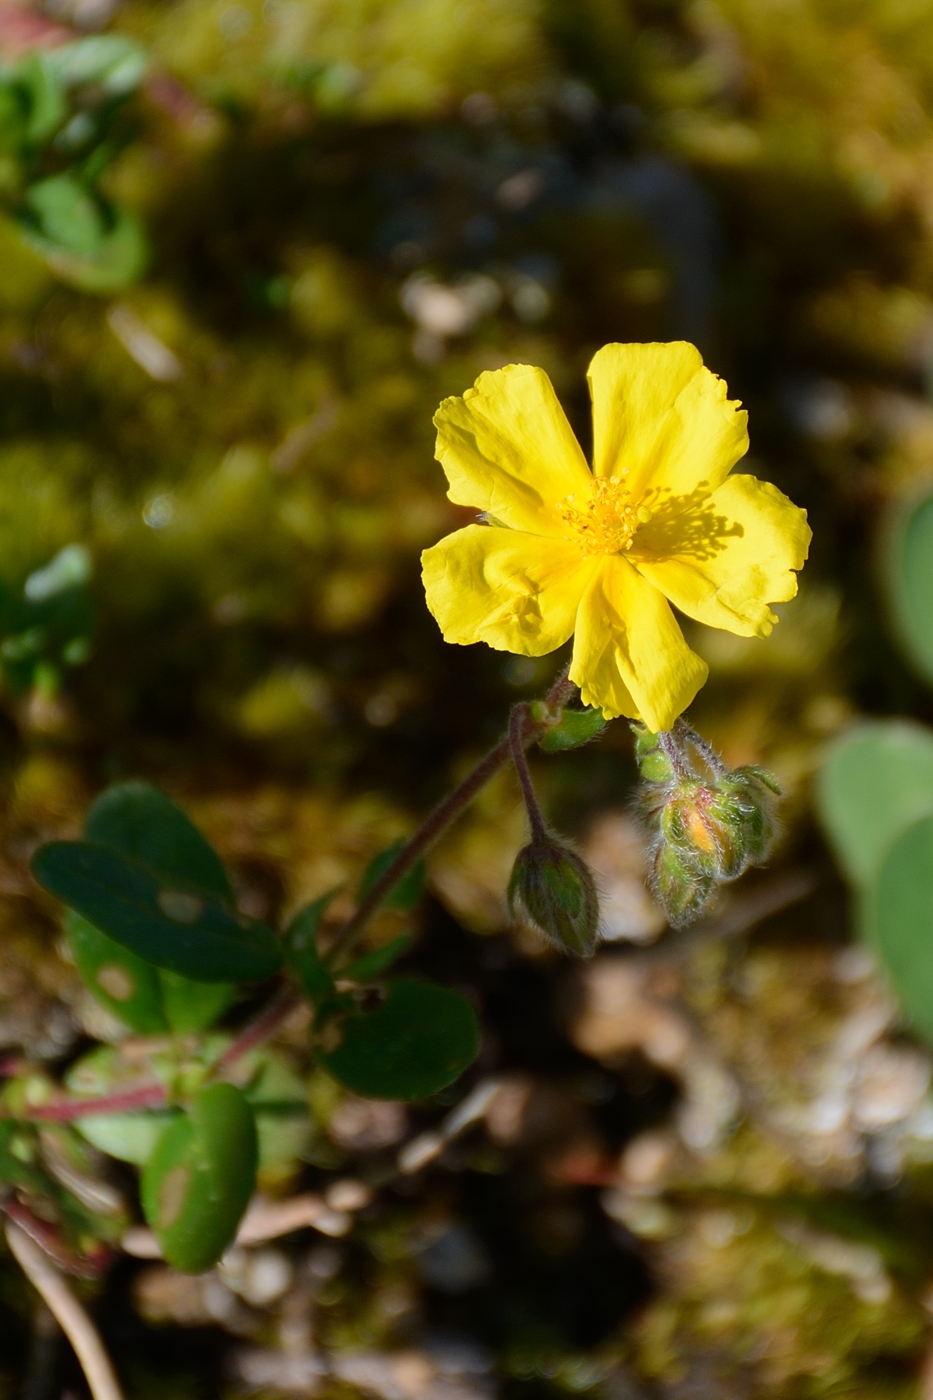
[[608, 521]]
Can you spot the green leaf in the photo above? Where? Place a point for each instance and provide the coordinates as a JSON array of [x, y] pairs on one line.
[[908, 574], [875, 780], [111, 62], [85, 240], [142, 823], [44, 97], [198, 1182], [279, 1098], [121, 981], [370, 965], [900, 921], [576, 727], [418, 1041], [301, 952], [163, 921], [409, 889], [193, 1006], [129, 1137]]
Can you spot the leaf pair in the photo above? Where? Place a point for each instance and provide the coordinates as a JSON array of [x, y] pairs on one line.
[[146, 878]]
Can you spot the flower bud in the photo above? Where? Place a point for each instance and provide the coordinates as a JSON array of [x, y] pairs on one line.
[[708, 823], [682, 889], [553, 888]]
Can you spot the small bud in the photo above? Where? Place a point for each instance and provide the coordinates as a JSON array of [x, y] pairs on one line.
[[555, 891], [681, 887], [709, 823]]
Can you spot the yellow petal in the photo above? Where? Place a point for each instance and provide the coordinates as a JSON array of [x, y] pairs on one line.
[[629, 655], [662, 421], [515, 591], [508, 449], [726, 561]]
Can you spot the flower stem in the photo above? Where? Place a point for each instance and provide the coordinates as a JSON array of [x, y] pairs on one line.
[[702, 746], [518, 724], [446, 812], [674, 755]]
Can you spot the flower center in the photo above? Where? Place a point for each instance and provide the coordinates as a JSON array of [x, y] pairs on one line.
[[607, 522]]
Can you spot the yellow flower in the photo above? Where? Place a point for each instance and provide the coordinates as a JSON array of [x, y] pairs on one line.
[[600, 555]]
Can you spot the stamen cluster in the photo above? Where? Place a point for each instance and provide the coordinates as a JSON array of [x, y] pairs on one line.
[[606, 524]]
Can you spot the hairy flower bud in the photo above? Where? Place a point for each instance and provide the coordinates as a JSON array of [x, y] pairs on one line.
[[708, 823], [553, 888]]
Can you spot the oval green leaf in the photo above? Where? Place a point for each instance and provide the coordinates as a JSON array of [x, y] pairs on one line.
[[198, 1181], [193, 1006], [875, 780], [420, 1039], [900, 921], [908, 575], [121, 981], [171, 926], [142, 823]]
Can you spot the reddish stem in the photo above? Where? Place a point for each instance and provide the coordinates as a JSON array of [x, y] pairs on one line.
[[67, 1110], [262, 1026]]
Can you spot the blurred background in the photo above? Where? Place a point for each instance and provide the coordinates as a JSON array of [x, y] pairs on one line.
[[245, 249]]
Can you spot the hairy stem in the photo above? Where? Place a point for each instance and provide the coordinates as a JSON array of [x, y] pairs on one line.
[[518, 724], [446, 812], [702, 746]]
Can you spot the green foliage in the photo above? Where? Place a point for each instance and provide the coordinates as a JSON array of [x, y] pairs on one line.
[[876, 779], [409, 889], [199, 1179], [46, 627], [900, 921], [416, 1042], [142, 823], [301, 951], [61, 109], [193, 1006], [127, 985], [908, 573], [170, 924], [379, 960]]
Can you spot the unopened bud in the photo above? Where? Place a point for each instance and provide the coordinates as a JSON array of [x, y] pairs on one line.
[[553, 888], [682, 889], [709, 823]]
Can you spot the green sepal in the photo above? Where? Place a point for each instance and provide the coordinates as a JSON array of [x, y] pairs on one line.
[[420, 1039], [653, 763], [198, 1182], [409, 889], [575, 727]]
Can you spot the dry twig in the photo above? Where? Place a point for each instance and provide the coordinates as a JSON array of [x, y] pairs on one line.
[[77, 1326]]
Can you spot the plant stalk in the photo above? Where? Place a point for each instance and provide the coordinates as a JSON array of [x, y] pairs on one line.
[[447, 811]]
